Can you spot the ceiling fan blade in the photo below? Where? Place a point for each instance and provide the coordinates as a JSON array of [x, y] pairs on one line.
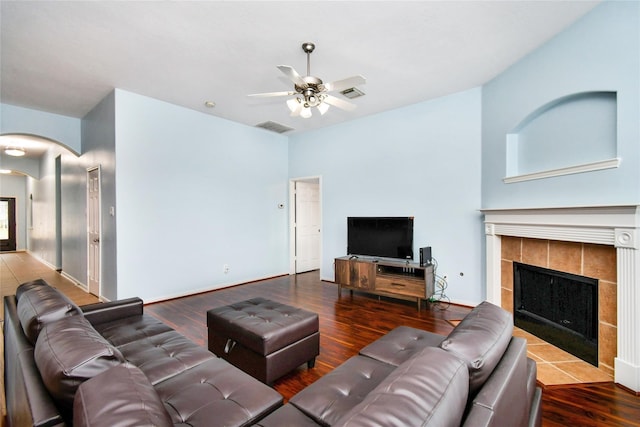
[[293, 75], [337, 102], [343, 84], [268, 94]]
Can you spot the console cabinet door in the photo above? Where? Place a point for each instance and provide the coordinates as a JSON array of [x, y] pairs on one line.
[[343, 272], [363, 275]]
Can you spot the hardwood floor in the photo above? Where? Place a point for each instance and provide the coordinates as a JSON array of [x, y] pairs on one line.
[[349, 322], [346, 324]]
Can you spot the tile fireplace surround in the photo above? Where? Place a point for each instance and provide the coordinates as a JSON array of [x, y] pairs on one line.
[[614, 226]]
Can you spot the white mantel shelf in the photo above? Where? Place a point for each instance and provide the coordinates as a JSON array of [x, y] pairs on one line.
[[606, 225]]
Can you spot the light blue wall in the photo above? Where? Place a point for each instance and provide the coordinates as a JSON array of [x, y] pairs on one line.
[[42, 235], [62, 129], [98, 143], [195, 192], [421, 161], [601, 52]]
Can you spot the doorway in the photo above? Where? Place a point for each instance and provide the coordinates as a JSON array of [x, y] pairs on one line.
[[305, 225], [7, 224], [94, 231]]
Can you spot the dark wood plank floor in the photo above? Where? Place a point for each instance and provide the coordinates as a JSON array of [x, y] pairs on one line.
[[349, 322]]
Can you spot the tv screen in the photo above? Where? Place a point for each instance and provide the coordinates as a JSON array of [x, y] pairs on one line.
[[388, 237]]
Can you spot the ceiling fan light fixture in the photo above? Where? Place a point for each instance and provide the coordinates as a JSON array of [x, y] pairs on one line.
[[293, 104], [306, 113], [323, 108], [15, 151]]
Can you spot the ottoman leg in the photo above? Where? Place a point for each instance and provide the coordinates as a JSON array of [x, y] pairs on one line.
[[311, 363]]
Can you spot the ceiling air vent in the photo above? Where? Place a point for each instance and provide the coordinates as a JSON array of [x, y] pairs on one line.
[[274, 127], [352, 93]]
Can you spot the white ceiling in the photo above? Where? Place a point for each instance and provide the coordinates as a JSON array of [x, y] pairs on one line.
[[64, 57]]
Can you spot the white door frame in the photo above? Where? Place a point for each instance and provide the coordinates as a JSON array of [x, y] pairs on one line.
[[99, 278], [292, 220]]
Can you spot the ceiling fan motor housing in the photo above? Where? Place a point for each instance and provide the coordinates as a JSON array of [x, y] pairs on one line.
[[311, 92]]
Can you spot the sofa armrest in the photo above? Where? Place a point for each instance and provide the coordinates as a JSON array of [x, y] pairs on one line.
[[107, 311], [502, 400], [27, 401]]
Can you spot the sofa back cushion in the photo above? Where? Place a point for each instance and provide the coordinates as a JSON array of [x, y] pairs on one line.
[[428, 389], [121, 396], [67, 353], [26, 286], [480, 339], [41, 304]]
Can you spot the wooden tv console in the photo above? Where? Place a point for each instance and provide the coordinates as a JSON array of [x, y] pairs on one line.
[[396, 279]]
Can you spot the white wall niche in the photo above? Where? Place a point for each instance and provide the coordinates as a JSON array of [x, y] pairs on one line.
[[572, 134]]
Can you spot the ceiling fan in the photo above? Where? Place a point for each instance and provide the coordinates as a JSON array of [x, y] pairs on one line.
[[311, 92]]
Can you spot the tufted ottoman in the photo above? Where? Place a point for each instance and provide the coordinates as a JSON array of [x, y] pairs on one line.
[[265, 339]]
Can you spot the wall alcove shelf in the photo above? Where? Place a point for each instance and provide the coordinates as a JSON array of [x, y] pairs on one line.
[[395, 279]]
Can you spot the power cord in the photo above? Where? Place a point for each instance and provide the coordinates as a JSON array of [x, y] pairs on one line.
[[439, 299]]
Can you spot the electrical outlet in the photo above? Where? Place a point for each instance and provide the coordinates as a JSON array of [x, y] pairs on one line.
[[225, 268]]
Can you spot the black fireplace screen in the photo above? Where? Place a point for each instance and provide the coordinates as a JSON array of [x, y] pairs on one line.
[[561, 308]]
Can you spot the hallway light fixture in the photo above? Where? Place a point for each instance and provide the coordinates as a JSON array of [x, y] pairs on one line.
[[15, 151]]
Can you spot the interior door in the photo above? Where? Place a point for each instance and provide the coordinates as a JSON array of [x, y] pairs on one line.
[[93, 230], [307, 208], [7, 224]]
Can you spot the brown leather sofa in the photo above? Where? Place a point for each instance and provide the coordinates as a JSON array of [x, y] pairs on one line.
[[478, 375], [110, 364]]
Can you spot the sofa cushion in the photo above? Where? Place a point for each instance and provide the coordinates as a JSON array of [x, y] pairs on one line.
[[121, 396], [216, 393], [67, 353], [480, 339], [504, 395], [24, 287], [332, 396], [41, 304], [429, 389], [129, 329], [401, 344], [164, 355]]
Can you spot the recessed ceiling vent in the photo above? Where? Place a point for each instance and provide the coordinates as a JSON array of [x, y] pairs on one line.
[[352, 92], [274, 127]]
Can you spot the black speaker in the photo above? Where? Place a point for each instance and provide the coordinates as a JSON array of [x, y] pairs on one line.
[[425, 256]]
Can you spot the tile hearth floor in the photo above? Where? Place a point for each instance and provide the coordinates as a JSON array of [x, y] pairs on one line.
[[557, 367]]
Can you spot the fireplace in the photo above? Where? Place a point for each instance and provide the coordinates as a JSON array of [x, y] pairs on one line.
[[559, 307], [609, 236]]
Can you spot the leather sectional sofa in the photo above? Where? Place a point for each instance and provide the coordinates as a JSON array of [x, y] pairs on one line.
[[479, 375], [110, 364]]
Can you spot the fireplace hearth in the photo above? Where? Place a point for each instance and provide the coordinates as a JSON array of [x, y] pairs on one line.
[[606, 240], [558, 307]]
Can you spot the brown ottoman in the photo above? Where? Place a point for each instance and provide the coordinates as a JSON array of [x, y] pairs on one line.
[[265, 339]]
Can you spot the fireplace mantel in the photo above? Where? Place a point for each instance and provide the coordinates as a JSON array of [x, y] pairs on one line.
[[606, 225]]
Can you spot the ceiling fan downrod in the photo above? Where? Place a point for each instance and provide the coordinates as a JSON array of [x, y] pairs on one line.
[[308, 47]]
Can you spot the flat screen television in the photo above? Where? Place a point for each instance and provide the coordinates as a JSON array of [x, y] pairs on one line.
[[385, 237]]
